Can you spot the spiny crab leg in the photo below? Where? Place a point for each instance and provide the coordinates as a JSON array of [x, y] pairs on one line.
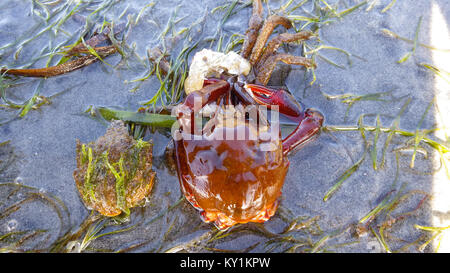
[[267, 29], [254, 26], [280, 39], [309, 121], [266, 69]]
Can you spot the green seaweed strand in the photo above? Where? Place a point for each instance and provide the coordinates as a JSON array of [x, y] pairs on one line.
[[89, 187], [120, 183], [138, 147]]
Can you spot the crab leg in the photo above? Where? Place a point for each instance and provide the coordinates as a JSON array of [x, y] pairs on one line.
[[268, 66], [309, 121], [276, 42], [267, 29], [306, 129], [254, 25], [212, 91]]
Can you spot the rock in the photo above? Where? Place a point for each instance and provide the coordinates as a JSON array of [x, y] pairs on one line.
[[114, 173]]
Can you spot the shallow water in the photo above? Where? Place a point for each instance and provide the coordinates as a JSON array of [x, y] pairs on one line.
[[41, 148]]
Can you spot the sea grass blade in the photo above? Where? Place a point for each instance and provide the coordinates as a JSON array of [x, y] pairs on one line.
[[395, 125], [432, 143], [380, 240], [352, 9], [392, 34], [361, 129], [441, 73], [431, 228], [419, 134], [373, 152], [31, 101], [344, 177], [416, 38], [389, 6], [377, 209], [147, 119]]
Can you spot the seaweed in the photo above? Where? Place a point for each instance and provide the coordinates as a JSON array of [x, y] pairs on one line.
[[381, 218], [26, 240], [437, 232], [415, 41], [351, 99]]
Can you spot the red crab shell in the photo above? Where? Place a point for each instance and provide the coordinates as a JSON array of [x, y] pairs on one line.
[[231, 181]]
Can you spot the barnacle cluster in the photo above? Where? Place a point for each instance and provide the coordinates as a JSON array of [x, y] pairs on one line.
[[207, 63]]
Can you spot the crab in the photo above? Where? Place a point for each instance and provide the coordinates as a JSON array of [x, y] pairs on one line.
[[233, 169]]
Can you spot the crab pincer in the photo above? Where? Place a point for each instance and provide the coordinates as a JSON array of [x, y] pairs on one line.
[[309, 121]]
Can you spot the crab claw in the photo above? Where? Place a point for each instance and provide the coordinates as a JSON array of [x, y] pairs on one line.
[[269, 96], [308, 127], [309, 121]]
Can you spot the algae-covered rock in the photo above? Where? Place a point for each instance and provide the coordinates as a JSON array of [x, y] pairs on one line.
[[114, 173]]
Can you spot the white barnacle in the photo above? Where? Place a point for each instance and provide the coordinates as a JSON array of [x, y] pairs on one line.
[[208, 63]]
